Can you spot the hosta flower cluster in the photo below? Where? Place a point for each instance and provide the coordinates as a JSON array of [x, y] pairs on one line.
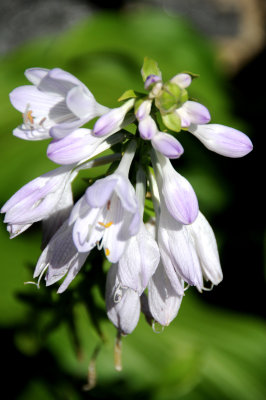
[[152, 261]]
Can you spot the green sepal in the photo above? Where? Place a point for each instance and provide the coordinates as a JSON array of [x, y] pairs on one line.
[[150, 67], [128, 94], [172, 122], [171, 97], [192, 74]]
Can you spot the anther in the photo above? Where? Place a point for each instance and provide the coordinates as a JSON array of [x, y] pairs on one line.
[[107, 252]]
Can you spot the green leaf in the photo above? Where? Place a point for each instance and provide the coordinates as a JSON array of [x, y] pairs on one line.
[[150, 67], [128, 94]]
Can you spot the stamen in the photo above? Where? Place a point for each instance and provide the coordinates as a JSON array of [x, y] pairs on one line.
[[106, 225], [108, 204], [208, 289], [186, 287], [46, 266], [107, 252], [118, 352]]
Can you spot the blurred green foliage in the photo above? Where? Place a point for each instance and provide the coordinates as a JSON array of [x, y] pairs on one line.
[[206, 353]]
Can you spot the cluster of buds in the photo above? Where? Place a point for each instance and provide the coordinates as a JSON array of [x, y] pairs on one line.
[[153, 261]]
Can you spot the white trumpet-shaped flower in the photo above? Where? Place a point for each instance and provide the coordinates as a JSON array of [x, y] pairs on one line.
[[108, 214], [39, 199], [56, 104]]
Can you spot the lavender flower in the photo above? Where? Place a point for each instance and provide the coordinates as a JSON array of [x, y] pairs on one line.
[[55, 105]]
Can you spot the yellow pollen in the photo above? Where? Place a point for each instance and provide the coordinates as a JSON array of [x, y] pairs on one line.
[[28, 116], [106, 225], [107, 252]]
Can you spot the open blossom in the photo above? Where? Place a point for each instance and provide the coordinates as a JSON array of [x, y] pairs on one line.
[[39, 199], [56, 104], [122, 304], [60, 257], [108, 212]]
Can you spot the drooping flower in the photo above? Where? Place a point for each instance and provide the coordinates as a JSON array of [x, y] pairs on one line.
[[60, 257], [177, 192], [39, 199], [122, 304], [163, 300], [108, 212], [56, 104], [222, 139]]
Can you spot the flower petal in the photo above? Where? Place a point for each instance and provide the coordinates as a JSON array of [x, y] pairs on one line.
[[139, 261], [164, 302], [125, 311], [98, 194], [35, 75], [83, 104], [206, 248]]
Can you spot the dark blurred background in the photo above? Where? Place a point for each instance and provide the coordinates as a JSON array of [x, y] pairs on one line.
[[225, 41]]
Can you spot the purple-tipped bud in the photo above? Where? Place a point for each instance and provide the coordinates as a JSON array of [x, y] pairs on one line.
[[151, 80], [167, 145], [147, 128], [112, 121], [228, 142]]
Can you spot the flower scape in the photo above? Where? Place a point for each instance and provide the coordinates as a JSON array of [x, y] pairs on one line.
[[153, 260]]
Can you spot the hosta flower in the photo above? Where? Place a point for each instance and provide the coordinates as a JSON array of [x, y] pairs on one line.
[[122, 304], [222, 139], [39, 199], [177, 192], [56, 104], [203, 239], [108, 212], [60, 257], [163, 300]]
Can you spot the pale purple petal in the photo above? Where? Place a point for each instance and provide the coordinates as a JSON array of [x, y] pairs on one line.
[[37, 199], [167, 145], [30, 97], [126, 193], [223, 140], [139, 261], [15, 230], [31, 134], [61, 130], [123, 305], [150, 80], [147, 128], [178, 193], [83, 104], [35, 75], [77, 146], [144, 110], [58, 82], [197, 113], [182, 80], [112, 121], [163, 301], [206, 247], [184, 117], [98, 194]]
